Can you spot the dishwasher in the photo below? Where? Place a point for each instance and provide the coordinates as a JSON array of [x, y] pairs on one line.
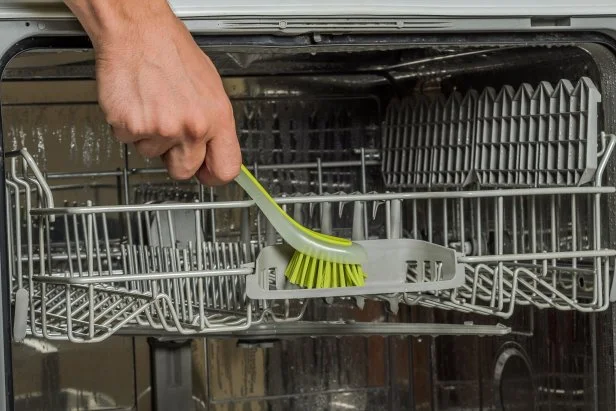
[[478, 139]]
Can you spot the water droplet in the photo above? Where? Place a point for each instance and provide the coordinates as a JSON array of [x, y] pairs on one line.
[[22, 136], [13, 137], [88, 146], [97, 150], [40, 146], [73, 143]]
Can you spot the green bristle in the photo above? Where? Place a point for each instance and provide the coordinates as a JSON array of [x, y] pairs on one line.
[[310, 272]]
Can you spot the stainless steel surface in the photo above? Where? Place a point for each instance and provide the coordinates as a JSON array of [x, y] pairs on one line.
[[288, 330], [56, 375]]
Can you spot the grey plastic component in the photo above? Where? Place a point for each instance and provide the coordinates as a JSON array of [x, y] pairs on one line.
[[389, 261], [173, 228], [326, 218], [171, 375], [20, 326], [542, 136], [429, 142], [297, 213], [271, 236], [245, 226], [530, 137], [396, 219], [358, 231]]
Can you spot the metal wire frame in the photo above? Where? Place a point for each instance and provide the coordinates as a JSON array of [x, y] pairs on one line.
[[557, 260], [522, 246]]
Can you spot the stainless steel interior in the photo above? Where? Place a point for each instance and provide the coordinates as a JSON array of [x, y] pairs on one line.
[[316, 128]]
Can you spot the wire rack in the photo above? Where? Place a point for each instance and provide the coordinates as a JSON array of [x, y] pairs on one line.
[[539, 246], [541, 136], [277, 130], [526, 237]]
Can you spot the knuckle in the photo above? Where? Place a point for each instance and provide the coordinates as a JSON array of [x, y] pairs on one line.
[[180, 173], [225, 109], [227, 173], [167, 130], [196, 127], [147, 150], [183, 169], [135, 128], [221, 110]]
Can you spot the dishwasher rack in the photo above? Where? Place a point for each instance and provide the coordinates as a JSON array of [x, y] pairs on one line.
[[522, 236], [86, 284]]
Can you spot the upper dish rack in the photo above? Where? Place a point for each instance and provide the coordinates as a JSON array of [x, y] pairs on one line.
[[86, 272]]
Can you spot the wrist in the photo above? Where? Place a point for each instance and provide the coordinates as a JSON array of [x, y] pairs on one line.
[[109, 21]]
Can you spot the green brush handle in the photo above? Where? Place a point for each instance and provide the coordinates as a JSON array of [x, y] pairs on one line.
[[302, 239]]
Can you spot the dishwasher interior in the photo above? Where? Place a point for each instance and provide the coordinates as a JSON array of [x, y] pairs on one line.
[[491, 165]]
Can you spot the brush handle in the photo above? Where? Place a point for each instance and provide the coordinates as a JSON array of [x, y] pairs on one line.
[[297, 236]]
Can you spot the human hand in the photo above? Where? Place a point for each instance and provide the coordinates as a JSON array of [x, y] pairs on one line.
[[158, 89]]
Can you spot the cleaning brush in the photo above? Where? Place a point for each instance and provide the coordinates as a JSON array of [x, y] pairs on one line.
[[320, 260]]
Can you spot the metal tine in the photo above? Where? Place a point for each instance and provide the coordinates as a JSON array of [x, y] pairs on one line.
[[209, 265], [88, 241], [107, 244], [225, 284], [154, 285], [219, 282], [159, 228], [402, 146], [297, 214], [185, 288], [359, 229], [394, 134], [139, 218], [326, 218], [245, 226], [97, 246], [213, 211], [192, 284], [171, 229], [396, 219], [168, 258], [174, 290], [271, 235], [77, 246], [237, 261], [146, 268], [124, 259]]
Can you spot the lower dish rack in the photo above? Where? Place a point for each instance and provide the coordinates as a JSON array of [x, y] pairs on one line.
[[74, 277], [78, 280]]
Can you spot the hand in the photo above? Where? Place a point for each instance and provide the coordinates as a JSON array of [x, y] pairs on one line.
[[158, 89]]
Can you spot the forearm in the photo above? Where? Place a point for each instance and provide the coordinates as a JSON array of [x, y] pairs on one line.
[[106, 20]]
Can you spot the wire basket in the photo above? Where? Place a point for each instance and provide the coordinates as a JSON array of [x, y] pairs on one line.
[[531, 236], [540, 247]]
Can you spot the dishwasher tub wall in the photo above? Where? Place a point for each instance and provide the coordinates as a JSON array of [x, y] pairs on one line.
[[438, 398]]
